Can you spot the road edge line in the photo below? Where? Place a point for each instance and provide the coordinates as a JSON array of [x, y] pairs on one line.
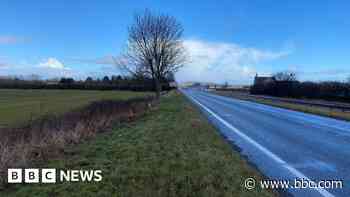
[[284, 164]]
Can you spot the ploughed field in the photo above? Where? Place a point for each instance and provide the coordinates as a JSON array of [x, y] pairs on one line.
[[19, 106]]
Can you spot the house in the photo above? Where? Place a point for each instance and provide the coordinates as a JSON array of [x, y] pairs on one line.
[[263, 80]]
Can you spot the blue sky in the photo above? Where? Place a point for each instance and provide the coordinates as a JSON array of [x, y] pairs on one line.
[[226, 40]]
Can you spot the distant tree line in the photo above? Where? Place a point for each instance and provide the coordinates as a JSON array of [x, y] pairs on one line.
[[106, 83], [285, 84]]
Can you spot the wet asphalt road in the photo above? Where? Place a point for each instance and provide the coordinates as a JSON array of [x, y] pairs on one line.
[[283, 144]]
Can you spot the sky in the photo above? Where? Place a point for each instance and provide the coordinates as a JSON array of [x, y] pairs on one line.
[[227, 41]]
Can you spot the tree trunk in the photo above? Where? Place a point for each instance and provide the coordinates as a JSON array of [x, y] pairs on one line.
[[158, 88]]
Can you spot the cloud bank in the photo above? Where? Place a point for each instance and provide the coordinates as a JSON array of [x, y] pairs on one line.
[[220, 62], [208, 62]]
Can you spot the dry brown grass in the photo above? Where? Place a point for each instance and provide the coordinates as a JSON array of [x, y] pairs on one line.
[[47, 137]]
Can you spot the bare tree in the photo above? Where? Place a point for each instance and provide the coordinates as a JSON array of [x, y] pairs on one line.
[[285, 76], [154, 48]]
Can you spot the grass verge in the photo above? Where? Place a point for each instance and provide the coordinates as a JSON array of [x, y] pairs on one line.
[[322, 111], [171, 151]]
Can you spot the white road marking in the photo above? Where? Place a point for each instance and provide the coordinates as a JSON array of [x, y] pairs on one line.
[[273, 156], [317, 121]]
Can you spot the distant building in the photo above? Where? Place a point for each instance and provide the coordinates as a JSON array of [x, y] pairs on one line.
[[263, 80]]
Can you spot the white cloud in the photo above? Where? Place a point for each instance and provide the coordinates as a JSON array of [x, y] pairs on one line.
[[52, 67], [53, 63], [220, 62], [47, 68]]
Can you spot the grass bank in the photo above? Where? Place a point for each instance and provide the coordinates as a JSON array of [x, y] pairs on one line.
[[18, 106], [317, 110], [171, 151]]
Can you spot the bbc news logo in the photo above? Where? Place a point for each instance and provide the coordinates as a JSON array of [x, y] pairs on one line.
[[52, 175]]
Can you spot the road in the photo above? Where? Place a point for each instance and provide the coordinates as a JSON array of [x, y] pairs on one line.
[[283, 144]]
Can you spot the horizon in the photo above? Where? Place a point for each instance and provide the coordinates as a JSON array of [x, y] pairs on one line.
[[226, 42]]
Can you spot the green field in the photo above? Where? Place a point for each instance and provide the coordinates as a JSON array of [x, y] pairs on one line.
[[171, 151], [18, 106]]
